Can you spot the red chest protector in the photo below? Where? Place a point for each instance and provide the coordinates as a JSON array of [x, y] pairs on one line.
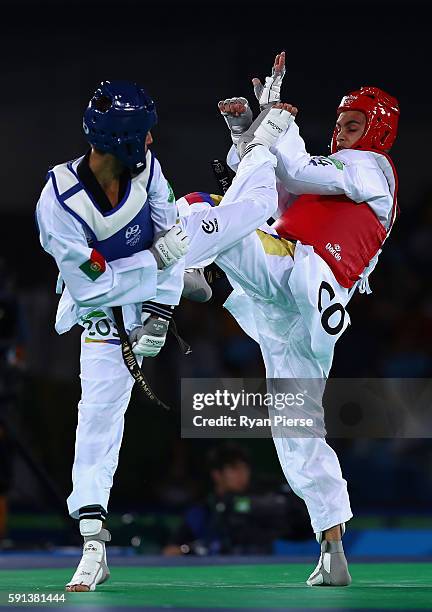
[[345, 234]]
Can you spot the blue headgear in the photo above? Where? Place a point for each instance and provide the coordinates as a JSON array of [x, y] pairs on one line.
[[117, 121]]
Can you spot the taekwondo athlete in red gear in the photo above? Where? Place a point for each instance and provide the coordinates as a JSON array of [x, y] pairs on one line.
[[109, 220], [292, 281]]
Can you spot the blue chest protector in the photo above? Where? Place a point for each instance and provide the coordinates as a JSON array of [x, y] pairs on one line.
[[118, 233]]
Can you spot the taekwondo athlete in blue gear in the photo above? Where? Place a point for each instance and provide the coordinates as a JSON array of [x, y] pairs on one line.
[[117, 121], [109, 219]]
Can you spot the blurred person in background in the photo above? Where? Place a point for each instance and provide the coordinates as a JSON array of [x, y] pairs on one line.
[[237, 517]]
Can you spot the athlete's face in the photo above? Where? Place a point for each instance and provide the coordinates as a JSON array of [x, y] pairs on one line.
[[349, 129]]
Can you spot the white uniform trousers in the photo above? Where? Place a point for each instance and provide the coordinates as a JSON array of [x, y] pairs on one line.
[[280, 301], [106, 389]]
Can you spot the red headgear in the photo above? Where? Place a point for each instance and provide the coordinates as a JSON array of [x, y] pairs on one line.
[[382, 115]]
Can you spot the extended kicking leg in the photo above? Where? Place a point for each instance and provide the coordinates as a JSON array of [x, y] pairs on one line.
[[249, 202]]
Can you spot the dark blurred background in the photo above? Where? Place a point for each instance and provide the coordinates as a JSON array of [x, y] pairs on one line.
[[189, 56]]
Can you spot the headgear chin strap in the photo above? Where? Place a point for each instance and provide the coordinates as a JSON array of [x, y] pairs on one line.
[[382, 116], [117, 121]]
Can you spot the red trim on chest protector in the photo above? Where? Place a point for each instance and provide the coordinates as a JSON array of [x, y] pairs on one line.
[[345, 234]]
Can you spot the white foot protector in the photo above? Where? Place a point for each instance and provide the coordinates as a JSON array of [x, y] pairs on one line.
[[267, 128], [92, 569], [332, 568]]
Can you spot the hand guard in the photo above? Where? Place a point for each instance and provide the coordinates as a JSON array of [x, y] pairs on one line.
[[237, 125], [168, 248], [148, 339], [269, 94]]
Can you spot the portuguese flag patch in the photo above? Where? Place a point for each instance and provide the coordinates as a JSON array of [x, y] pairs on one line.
[[95, 266]]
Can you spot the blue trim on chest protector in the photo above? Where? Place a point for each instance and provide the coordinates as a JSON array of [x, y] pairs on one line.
[[137, 235]]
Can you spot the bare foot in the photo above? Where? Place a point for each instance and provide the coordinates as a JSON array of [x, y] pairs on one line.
[[277, 70], [288, 107], [233, 106], [77, 588]]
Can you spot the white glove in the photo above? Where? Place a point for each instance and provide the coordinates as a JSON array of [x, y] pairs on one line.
[[168, 248], [148, 339], [236, 124], [269, 94]]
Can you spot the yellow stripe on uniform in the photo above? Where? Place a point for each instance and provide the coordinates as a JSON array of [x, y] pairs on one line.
[[276, 246], [217, 199]]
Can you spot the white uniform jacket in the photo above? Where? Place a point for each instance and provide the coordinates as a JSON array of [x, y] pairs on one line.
[[64, 225]]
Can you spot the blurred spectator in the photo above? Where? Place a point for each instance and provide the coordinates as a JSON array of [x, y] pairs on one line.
[[235, 518]]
